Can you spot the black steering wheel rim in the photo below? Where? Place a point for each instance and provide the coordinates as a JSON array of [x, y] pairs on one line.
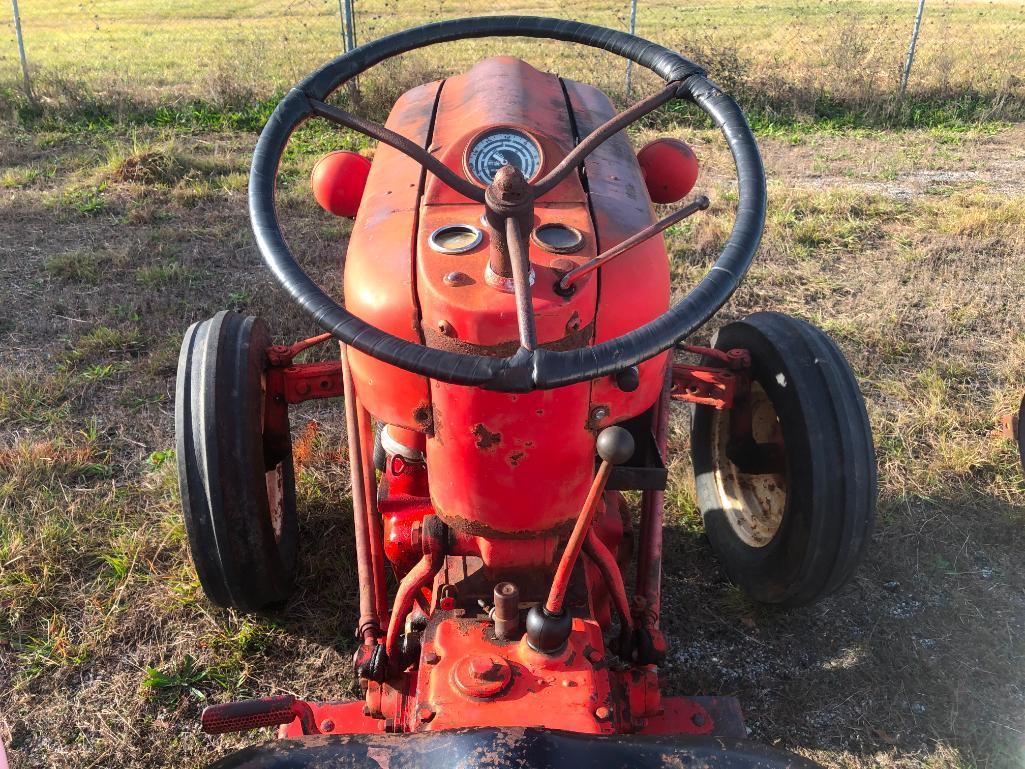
[[527, 369]]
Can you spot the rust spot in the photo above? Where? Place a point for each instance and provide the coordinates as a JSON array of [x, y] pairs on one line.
[[475, 528], [540, 412], [515, 457], [573, 340], [485, 438], [423, 417], [573, 324], [599, 411]]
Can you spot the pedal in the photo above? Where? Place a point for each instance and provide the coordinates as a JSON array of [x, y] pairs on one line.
[[244, 715]]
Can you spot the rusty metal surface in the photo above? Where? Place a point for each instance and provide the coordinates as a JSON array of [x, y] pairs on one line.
[[517, 96], [369, 625], [573, 340], [592, 138], [374, 523], [706, 385], [307, 381], [530, 481], [637, 238]]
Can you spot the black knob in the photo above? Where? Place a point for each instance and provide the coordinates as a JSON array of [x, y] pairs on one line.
[[546, 632], [629, 379], [615, 445]]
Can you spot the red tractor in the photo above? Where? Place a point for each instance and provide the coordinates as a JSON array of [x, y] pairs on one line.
[[507, 325]]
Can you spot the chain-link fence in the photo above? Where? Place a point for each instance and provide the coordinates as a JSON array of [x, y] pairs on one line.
[[807, 57]]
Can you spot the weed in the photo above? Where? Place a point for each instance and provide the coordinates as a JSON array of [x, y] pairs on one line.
[[167, 274], [187, 678], [79, 266]]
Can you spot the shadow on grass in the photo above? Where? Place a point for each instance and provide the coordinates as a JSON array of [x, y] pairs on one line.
[[920, 655]]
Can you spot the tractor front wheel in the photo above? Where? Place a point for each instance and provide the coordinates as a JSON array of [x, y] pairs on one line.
[[237, 483], [786, 479]]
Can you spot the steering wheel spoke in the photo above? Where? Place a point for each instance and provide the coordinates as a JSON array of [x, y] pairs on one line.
[[600, 135], [519, 258], [397, 141]]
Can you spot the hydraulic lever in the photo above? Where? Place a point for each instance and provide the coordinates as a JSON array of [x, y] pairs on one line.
[[549, 626]]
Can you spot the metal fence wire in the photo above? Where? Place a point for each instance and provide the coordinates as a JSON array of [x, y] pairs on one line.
[[792, 55]]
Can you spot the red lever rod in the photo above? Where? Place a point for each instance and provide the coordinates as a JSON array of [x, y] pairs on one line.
[[571, 277], [615, 445], [369, 621]]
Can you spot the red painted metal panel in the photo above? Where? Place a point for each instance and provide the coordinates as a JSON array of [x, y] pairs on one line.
[[534, 693], [379, 271], [501, 465], [634, 286]]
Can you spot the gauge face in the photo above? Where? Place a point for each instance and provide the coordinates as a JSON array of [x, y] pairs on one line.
[[501, 147]]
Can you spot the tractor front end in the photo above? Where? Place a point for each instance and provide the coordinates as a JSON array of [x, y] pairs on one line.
[[507, 368]]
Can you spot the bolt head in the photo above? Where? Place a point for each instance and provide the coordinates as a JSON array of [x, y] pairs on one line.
[[431, 658], [506, 589], [327, 725], [602, 713], [446, 328]]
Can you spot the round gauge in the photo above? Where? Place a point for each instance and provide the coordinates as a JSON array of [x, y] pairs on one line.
[[499, 147]]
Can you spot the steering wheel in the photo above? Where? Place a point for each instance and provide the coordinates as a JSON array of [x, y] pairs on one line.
[[531, 367]]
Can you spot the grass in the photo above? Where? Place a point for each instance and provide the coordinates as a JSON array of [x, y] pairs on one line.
[[212, 64], [897, 226]]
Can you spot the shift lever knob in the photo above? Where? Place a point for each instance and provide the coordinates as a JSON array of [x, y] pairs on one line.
[[615, 445]]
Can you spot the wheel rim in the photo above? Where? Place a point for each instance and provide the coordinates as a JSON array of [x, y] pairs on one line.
[[275, 479], [754, 504]]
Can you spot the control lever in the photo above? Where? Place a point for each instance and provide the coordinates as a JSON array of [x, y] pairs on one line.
[[549, 626]]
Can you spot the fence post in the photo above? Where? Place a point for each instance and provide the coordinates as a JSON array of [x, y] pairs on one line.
[[345, 11], [911, 49], [21, 51], [633, 31]]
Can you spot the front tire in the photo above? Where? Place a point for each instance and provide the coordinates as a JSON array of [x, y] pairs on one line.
[[790, 522], [237, 490]]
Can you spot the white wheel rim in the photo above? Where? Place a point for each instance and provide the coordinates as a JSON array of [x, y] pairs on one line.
[[276, 499], [754, 504]]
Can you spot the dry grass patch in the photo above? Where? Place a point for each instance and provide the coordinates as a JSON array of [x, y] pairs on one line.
[[98, 600]]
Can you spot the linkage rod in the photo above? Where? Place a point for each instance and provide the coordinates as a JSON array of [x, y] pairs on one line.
[[369, 621], [650, 231]]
